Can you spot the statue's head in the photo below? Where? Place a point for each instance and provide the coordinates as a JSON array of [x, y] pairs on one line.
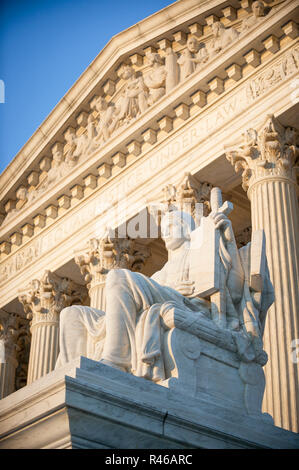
[[258, 8], [127, 72], [193, 44], [101, 104], [217, 28], [22, 193], [155, 58], [176, 228]]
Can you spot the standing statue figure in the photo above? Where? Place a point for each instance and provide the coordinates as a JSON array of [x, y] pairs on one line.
[[258, 12], [192, 57], [155, 79], [106, 120], [172, 69], [71, 156], [133, 100], [222, 37], [58, 169]]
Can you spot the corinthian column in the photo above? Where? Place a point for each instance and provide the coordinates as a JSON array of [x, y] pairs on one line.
[[43, 301], [105, 254], [268, 159]]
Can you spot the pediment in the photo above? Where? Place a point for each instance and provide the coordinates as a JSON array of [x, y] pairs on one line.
[[142, 85]]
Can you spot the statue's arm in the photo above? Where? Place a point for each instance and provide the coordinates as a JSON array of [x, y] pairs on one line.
[[235, 279]]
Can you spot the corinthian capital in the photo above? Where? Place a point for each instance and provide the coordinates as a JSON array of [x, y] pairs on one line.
[[188, 195], [108, 253], [45, 298], [10, 330], [272, 151]]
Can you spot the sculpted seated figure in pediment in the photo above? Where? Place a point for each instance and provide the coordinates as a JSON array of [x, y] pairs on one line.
[[155, 79], [133, 100], [258, 13], [193, 57], [222, 37], [128, 336]]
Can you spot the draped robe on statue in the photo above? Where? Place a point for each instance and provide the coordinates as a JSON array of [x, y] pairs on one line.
[[128, 334]]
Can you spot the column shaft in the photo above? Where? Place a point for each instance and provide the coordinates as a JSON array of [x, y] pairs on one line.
[[44, 349], [275, 210]]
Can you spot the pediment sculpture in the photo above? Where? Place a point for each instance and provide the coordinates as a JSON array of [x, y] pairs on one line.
[[207, 289], [258, 13], [136, 91]]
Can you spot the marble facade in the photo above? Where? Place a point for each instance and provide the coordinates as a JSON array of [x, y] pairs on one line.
[[166, 113]]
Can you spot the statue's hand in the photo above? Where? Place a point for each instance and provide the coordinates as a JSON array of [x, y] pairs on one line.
[[185, 287], [223, 223]]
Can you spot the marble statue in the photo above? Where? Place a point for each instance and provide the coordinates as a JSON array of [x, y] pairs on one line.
[[133, 100], [106, 120], [57, 171], [72, 153], [222, 37], [155, 79], [128, 336], [192, 57], [258, 12], [172, 69]]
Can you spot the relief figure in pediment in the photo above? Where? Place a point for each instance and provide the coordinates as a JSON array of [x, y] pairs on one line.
[[192, 57], [72, 154], [155, 79], [107, 120], [133, 100], [58, 170], [222, 37], [172, 70], [258, 13]]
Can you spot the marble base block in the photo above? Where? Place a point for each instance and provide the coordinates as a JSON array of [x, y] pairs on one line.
[[88, 405]]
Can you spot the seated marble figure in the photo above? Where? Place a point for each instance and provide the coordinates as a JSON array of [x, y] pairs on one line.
[[128, 335]]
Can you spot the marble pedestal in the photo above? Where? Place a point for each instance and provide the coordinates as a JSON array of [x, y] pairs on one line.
[[90, 405]]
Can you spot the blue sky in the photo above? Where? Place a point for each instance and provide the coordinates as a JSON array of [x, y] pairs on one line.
[[45, 45]]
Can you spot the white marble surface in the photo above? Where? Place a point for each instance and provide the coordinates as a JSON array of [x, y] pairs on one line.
[[90, 405]]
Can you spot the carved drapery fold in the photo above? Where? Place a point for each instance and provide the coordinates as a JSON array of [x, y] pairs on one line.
[[105, 254]]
